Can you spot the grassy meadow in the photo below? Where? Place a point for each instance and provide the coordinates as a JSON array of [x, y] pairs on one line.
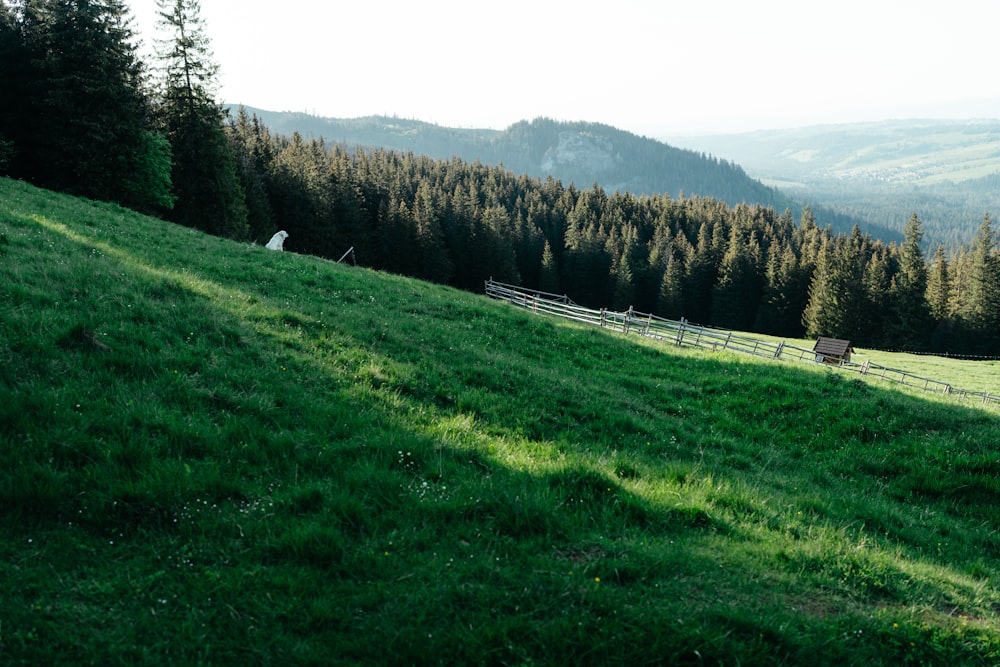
[[211, 454]]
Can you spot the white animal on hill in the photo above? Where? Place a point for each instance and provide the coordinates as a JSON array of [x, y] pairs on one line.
[[277, 241]]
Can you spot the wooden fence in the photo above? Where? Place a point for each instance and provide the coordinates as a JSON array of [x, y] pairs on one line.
[[683, 332]]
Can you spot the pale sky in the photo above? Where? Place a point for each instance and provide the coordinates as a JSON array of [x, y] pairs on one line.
[[652, 67]]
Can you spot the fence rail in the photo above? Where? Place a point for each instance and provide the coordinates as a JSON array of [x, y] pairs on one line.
[[682, 332]]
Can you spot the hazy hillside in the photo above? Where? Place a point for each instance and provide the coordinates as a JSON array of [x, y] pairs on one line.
[[391, 133], [215, 454], [945, 171]]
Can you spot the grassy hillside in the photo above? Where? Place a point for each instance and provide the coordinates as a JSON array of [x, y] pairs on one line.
[[211, 453]]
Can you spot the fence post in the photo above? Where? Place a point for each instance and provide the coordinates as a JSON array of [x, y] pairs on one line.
[[680, 334], [602, 318], [777, 352]]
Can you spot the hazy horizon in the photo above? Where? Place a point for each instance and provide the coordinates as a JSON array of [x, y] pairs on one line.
[[654, 69]]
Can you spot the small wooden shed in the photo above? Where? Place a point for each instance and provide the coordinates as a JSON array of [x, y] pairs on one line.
[[832, 350]]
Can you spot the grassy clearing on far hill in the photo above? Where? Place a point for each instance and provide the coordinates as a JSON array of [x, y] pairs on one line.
[[213, 453]]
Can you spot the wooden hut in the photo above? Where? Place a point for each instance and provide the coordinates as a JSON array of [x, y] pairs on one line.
[[832, 350]]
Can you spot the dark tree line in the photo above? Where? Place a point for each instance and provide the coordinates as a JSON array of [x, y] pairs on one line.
[[79, 113], [74, 114]]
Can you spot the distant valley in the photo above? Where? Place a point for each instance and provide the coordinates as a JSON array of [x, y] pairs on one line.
[[904, 152], [946, 171]]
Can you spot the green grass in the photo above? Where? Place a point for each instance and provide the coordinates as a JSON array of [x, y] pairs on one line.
[[212, 453]]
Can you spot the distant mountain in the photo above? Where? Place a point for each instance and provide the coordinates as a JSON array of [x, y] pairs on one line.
[[580, 153], [386, 132], [898, 152], [945, 171]]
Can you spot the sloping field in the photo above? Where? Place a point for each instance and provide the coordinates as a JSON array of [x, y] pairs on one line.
[[211, 453]]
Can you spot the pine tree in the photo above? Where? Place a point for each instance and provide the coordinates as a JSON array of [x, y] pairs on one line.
[[737, 293], [624, 269], [204, 176], [938, 286], [253, 153], [981, 307], [836, 294], [347, 207], [670, 301], [909, 317], [819, 316], [432, 255], [82, 124], [702, 272], [959, 270], [500, 259], [784, 296], [586, 262], [549, 275], [15, 80], [877, 288], [938, 300], [848, 280], [292, 179]]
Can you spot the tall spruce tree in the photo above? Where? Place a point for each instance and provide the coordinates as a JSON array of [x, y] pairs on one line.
[[208, 191], [15, 79], [702, 271], [785, 295], [548, 280], [938, 297], [938, 286], [254, 154], [433, 261], [820, 317], [837, 298], [877, 290], [909, 318], [624, 269], [670, 298], [737, 293], [80, 121], [981, 308]]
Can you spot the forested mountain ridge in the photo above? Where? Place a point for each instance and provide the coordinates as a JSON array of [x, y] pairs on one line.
[[946, 171], [580, 153]]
